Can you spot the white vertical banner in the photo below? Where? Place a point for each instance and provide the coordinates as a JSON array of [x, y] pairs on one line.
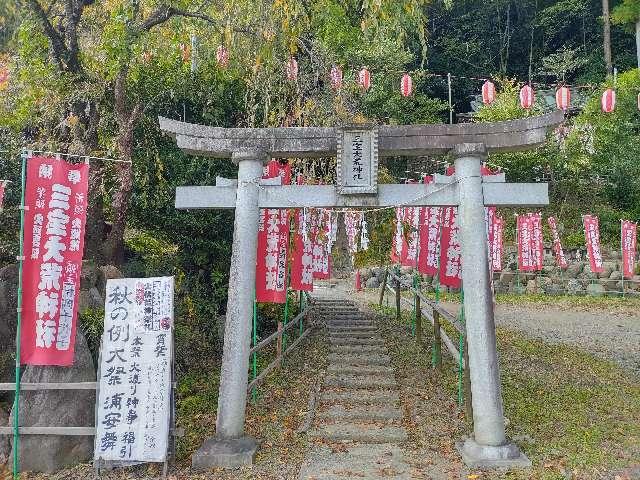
[[134, 404]]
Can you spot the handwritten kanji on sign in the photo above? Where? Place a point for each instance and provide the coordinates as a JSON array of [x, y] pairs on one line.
[[55, 197], [133, 409]]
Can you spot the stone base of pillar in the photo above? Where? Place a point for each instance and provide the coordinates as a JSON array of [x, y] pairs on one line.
[[475, 455], [229, 453]]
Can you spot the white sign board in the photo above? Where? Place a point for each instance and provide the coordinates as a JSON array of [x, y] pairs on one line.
[[134, 404], [357, 160]]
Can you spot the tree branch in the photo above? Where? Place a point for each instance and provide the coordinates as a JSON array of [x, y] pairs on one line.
[[165, 12], [60, 50]]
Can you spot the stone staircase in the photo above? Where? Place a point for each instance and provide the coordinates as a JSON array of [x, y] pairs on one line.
[[358, 422]]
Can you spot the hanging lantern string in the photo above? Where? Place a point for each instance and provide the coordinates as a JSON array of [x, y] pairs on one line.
[[296, 204]]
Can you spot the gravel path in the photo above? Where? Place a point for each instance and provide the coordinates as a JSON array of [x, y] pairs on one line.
[[612, 336]]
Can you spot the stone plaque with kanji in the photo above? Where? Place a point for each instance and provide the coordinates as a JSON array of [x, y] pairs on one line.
[[357, 167]]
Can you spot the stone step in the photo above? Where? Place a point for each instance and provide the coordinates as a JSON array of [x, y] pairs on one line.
[[361, 369], [354, 333], [378, 349], [371, 382], [362, 462], [350, 327], [338, 413], [359, 359], [349, 321], [359, 432], [338, 340], [363, 397]]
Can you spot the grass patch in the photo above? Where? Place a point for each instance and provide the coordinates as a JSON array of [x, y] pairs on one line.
[[576, 416]]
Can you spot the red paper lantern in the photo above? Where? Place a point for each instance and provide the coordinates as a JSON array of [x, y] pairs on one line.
[[336, 77], [608, 100], [527, 97], [563, 98], [364, 79], [292, 69], [406, 85], [222, 57], [488, 92]]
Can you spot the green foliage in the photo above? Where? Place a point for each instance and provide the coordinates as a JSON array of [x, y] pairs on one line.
[[626, 13], [91, 322]]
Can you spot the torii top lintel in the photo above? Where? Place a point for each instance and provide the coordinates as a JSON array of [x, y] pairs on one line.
[[393, 140]]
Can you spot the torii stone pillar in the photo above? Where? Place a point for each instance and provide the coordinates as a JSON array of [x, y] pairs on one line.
[[489, 447], [231, 447], [250, 148]]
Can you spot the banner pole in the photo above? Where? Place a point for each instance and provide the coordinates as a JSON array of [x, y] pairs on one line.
[[16, 406], [461, 346]]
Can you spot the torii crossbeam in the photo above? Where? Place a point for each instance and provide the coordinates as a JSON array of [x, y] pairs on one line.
[[358, 149]]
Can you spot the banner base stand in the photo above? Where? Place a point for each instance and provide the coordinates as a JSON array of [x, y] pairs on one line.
[[226, 453]]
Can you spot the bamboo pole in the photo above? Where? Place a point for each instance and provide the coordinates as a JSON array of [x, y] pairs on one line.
[[397, 298], [418, 320], [255, 341], [16, 407]]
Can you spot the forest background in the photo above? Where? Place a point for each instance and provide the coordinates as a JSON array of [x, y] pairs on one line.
[[91, 77]]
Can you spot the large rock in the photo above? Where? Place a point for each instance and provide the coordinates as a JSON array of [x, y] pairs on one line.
[[372, 283], [108, 272], [595, 289], [607, 268], [5, 446], [574, 287], [48, 408], [8, 316], [574, 269]]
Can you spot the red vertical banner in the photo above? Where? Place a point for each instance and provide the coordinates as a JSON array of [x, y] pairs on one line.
[[629, 239], [399, 242], [273, 244], [497, 245], [412, 221], [523, 238], [56, 196], [321, 265], [489, 221], [271, 263], [537, 241], [450, 255], [592, 239], [302, 261], [430, 240], [561, 260]]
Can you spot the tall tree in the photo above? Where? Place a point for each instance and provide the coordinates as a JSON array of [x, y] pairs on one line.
[[628, 14]]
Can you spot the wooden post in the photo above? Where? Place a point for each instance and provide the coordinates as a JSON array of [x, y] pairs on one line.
[[418, 320], [437, 342], [279, 351], [384, 286], [467, 384], [397, 298]]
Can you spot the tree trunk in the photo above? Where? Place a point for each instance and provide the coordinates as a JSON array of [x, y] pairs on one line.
[[607, 37], [127, 119], [638, 42]]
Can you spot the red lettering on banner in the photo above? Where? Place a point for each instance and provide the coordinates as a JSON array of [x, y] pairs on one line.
[[56, 194], [561, 260], [273, 245], [530, 242], [450, 255], [497, 248], [302, 262], [629, 239], [399, 242], [320, 225], [592, 238]]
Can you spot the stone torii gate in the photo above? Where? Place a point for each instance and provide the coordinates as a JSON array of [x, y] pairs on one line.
[[357, 149]]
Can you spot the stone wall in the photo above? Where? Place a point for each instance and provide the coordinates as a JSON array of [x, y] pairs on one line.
[[577, 279]]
